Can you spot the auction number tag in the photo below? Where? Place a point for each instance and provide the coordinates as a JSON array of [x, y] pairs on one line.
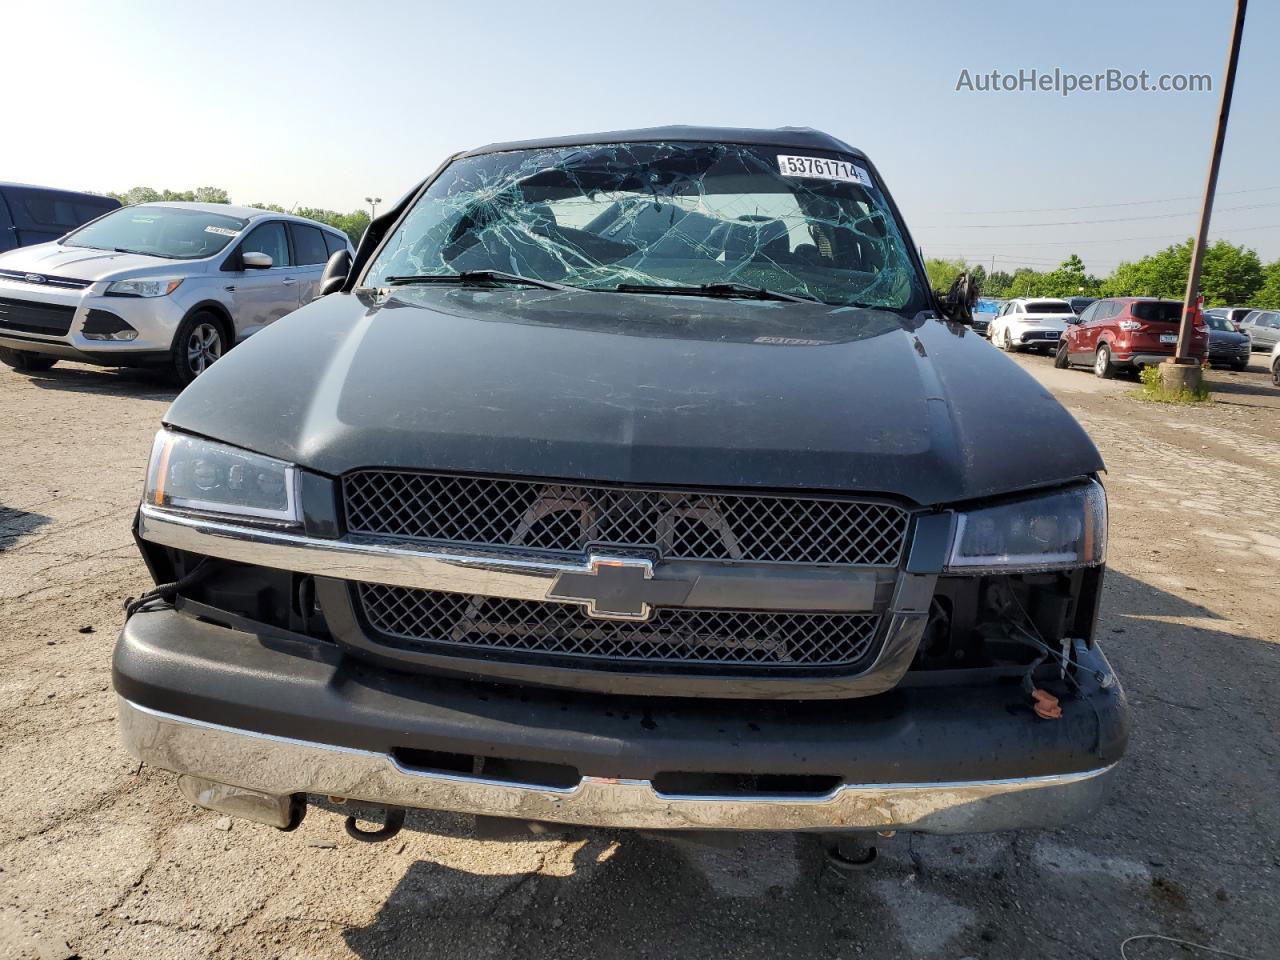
[[819, 168], [221, 231]]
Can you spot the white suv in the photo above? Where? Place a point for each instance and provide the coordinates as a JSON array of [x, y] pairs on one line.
[[1036, 322], [172, 285]]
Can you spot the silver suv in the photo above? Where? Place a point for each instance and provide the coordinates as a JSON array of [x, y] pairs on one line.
[[171, 285]]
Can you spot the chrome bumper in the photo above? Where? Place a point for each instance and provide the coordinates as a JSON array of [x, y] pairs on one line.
[[255, 775]]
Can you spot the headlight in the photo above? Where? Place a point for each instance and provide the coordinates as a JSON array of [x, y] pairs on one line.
[[144, 287], [1047, 532], [187, 473]]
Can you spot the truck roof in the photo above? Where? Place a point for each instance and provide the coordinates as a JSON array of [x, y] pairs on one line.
[[799, 138]]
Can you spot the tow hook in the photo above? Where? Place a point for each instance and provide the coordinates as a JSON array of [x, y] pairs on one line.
[[392, 822]]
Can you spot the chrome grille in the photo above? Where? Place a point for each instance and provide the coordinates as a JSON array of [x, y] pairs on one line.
[[27, 276], [567, 518], [415, 619]]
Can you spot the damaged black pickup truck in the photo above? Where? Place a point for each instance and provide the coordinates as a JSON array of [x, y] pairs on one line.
[[634, 480]]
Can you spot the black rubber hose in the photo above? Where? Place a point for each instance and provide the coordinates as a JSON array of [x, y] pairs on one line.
[[167, 591]]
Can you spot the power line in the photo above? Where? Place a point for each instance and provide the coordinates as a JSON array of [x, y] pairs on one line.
[[1159, 236], [1102, 206], [1066, 223]]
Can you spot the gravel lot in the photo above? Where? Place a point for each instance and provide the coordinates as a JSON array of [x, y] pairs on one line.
[[99, 858]]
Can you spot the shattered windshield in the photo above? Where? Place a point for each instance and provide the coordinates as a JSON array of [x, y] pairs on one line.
[[661, 215]]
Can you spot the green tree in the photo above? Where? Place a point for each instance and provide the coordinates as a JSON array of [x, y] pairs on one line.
[[212, 195], [1268, 295], [998, 284], [137, 195], [1027, 283], [352, 224], [943, 272], [1069, 280], [1229, 274]]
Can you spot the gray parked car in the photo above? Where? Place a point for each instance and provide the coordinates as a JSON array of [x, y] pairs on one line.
[[1263, 328], [172, 285]]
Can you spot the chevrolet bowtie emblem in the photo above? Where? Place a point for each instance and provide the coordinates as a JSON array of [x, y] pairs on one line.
[[618, 588]]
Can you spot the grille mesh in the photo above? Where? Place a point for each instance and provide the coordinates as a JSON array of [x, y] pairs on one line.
[[410, 618], [30, 316], [678, 525]]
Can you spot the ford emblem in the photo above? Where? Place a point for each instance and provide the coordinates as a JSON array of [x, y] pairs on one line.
[[33, 278]]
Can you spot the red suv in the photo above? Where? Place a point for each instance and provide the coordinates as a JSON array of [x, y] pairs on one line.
[[1127, 333]]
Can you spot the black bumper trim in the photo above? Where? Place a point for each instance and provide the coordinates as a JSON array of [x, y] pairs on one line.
[[169, 662]]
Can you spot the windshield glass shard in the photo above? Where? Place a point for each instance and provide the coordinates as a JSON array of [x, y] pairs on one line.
[[704, 219]]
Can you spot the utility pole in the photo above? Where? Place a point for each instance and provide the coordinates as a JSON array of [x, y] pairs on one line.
[[373, 205], [1178, 373]]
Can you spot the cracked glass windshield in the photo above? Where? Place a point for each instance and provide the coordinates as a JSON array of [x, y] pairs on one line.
[[661, 214]]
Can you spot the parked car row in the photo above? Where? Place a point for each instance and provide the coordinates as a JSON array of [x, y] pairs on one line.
[[1127, 333], [1031, 323], [170, 285], [1122, 333]]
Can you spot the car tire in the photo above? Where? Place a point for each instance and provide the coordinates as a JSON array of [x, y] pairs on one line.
[[1275, 372], [1006, 342], [1061, 359], [200, 341], [25, 362], [1102, 365]]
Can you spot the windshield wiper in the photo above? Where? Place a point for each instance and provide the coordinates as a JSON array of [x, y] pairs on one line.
[[475, 276], [737, 290], [142, 253]]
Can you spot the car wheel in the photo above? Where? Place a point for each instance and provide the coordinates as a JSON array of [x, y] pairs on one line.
[[1060, 359], [24, 361], [1275, 373], [1102, 365], [197, 345], [1006, 342]]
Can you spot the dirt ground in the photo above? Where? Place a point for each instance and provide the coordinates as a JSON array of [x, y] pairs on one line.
[[99, 858]]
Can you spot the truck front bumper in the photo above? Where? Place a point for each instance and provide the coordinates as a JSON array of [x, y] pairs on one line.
[[254, 723]]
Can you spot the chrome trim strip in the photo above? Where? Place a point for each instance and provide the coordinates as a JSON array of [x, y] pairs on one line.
[[277, 767], [512, 574], [358, 557]]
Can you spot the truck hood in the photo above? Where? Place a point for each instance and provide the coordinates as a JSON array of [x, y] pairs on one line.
[[82, 263], [662, 390]]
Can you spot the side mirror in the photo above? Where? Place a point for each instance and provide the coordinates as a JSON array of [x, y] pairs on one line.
[[335, 273], [256, 261], [957, 303]]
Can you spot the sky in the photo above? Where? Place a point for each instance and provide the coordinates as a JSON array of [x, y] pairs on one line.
[[323, 104]]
